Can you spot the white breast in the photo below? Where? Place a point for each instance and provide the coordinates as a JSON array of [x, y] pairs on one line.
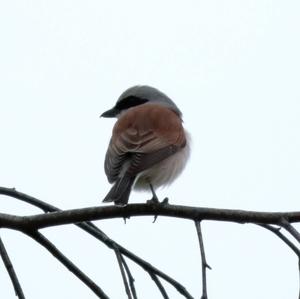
[[165, 172]]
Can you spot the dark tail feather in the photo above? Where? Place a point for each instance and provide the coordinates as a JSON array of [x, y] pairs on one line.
[[120, 191]]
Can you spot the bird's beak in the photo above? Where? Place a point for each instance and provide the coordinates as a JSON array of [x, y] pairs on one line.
[[110, 113]]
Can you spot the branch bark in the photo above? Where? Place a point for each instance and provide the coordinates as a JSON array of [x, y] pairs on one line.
[[133, 210]]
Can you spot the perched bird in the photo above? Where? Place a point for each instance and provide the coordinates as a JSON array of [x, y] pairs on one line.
[[149, 146]]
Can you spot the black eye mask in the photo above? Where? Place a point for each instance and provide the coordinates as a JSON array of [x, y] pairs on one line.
[[129, 102]]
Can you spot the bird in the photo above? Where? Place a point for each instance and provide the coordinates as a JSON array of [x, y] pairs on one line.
[[149, 146]]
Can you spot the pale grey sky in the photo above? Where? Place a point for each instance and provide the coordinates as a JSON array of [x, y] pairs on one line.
[[233, 69]]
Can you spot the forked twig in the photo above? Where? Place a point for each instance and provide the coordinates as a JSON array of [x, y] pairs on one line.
[[125, 282], [277, 232], [288, 227], [93, 230], [130, 278], [159, 285], [205, 266]]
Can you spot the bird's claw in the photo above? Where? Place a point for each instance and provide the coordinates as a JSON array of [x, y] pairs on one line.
[[165, 201], [155, 201]]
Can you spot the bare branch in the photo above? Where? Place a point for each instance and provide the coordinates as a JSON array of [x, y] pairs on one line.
[[299, 277], [12, 192], [130, 278], [203, 260], [42, 240], [276, 231], [125, 282], [11, 271], [159, 285], [101, 236], [98, 234], [288, 227], [109, 212]]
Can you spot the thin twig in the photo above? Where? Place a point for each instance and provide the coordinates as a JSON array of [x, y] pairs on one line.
[[125, 282], [288, 227], [159, 285], [203, 260], [139, 261], [296, 250], [130, 278], [299, 277], [12, 192], [276, 231], [42, 240], [11, 271], [101, 236]]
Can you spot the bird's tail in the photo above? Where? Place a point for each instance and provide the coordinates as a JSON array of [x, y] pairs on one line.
[[120, 191]]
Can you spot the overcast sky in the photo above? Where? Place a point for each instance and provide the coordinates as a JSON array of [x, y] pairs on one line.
[[233, 69]]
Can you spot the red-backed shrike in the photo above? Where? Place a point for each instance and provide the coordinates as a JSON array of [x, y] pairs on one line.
[[149, 146]]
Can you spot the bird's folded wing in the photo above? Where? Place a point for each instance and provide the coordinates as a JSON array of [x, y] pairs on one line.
[[135, 155], [137, 144], [142, 161]]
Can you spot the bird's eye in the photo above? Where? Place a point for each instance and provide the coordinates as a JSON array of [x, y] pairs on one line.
[[129, 102]]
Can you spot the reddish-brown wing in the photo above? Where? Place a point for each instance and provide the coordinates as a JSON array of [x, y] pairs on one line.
[[143, 136]]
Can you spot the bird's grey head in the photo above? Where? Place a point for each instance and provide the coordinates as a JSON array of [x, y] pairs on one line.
[[139, 95]]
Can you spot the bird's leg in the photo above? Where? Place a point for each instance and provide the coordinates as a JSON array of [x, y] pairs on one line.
[[154, 199]]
